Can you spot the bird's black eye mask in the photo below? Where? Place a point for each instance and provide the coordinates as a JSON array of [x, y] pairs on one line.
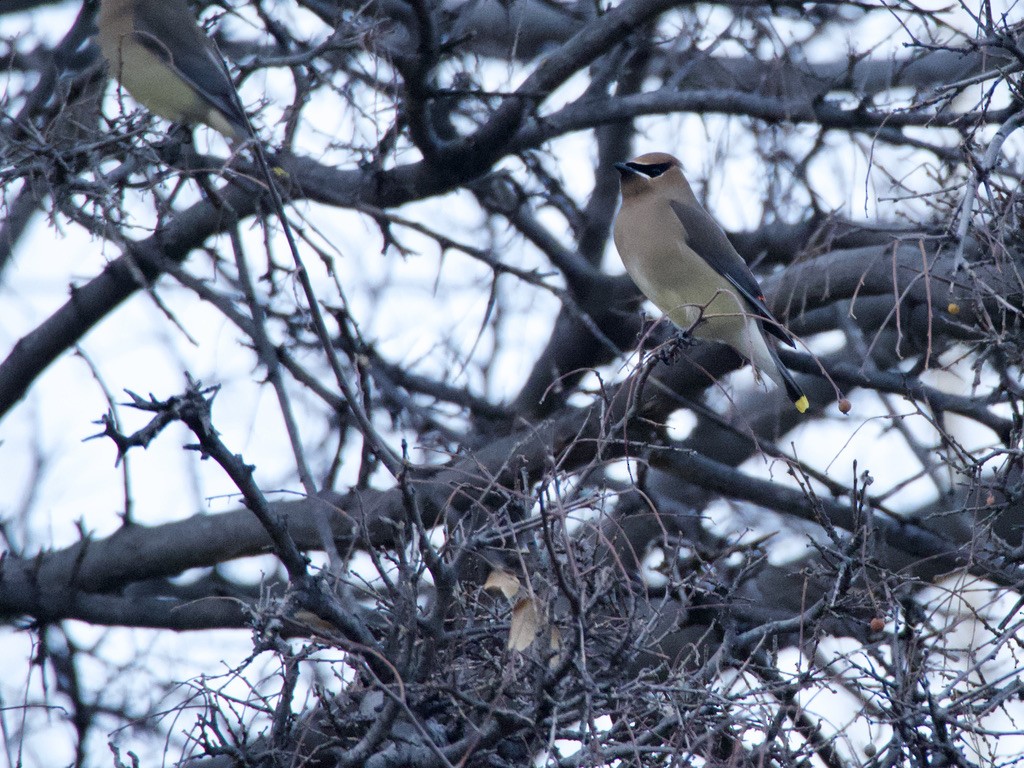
[[654, 171]]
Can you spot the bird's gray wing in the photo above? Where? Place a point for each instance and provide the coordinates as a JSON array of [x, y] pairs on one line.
[[165, 36], [705, 237]]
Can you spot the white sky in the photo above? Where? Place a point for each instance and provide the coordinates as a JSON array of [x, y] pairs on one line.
[[77, 483]]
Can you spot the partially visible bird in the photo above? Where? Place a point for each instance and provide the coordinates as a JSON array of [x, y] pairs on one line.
[[682, 261], [157, 51]]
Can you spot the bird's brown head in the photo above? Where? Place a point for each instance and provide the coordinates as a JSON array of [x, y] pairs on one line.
[[656, 172]]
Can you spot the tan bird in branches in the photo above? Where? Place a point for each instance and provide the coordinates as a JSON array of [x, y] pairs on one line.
[[682, 261], [164, 60]]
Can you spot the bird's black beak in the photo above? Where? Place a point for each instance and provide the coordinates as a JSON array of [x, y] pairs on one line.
[[626, 170]]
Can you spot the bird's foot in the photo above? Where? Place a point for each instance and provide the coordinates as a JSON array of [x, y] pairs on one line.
[[683, 338], [671, 350]]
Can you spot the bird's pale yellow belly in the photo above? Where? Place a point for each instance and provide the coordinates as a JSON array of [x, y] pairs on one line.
[[681, 292]]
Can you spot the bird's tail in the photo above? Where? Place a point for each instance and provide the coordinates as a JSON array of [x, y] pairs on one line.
[[793, 390]]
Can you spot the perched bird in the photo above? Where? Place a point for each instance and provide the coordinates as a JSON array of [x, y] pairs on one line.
[[161, 57], [682, 261], [157, 51]]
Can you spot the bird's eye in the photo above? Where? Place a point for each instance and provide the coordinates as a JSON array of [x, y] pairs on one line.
[[654, 170]]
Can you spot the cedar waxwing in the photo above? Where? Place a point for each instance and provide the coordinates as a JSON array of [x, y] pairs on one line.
[[161, 57], [682, 261]]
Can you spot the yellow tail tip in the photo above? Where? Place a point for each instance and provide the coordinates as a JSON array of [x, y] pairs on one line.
[[802, 404]]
